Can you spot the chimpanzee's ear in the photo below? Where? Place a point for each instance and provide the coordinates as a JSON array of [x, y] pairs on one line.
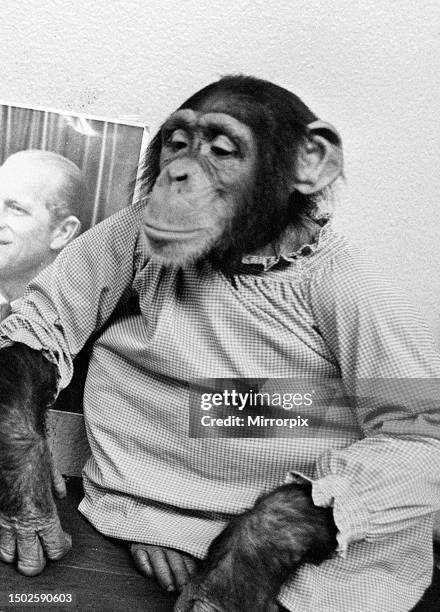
[[320, 159]]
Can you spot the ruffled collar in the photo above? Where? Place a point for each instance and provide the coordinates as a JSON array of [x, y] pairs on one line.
[[286, 251]]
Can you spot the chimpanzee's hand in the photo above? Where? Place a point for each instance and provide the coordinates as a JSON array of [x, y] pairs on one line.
[[193, 599], [28, 540], [30, 529], [259, 550], [29, 526]]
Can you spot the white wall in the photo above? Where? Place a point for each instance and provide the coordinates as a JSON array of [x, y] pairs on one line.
[[370, 68]]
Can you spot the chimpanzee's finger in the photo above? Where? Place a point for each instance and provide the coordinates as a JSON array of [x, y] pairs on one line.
[[191, 565], [178, 568], [55, 541], [58, 482], [30, 554], [161, 568], [141, 560], [7, 544]]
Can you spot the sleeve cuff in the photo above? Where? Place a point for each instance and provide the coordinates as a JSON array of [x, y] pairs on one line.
[[12, 330], [349, 512]]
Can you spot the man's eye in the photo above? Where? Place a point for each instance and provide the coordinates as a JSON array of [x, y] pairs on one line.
[[222, 146], [16, 208]]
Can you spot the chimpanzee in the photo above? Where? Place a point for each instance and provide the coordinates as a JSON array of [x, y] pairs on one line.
[[227, 269]]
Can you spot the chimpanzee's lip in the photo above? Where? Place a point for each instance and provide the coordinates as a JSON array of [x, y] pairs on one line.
[[169, 233]]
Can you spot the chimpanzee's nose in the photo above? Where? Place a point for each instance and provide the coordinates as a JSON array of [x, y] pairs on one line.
[[178, 172]]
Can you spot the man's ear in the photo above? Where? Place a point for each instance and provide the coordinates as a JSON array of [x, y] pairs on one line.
[[64, 232], [320, 159]]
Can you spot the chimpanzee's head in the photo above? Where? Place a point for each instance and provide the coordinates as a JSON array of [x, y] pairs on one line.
[[232, 168]]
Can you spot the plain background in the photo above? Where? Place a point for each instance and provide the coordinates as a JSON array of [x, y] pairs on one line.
[[371, 68]]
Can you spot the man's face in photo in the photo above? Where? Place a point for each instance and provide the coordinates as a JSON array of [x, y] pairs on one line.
[[25, 221]]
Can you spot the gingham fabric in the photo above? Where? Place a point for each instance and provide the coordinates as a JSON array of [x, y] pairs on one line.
[[326, 314]]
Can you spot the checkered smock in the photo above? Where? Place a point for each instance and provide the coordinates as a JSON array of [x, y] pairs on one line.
[[328, 313]]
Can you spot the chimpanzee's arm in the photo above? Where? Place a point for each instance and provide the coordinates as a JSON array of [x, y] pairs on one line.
[[390, 368], [62, 307], [29, 522], [259, 550]]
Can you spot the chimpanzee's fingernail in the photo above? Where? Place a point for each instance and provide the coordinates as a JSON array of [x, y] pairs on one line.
[[170, 588]]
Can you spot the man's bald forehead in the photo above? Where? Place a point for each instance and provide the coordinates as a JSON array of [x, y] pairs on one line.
[[58, 180], [44, 173]]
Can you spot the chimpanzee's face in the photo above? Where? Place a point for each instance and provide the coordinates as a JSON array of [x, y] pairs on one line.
[[233, 168], [207, 165]]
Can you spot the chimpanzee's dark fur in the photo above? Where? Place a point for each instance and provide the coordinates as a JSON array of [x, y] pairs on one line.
[[27, 387]]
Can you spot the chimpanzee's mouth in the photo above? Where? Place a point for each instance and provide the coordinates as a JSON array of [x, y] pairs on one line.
[[169, 233]]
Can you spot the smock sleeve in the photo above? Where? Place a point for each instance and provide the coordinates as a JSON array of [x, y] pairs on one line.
[[390, 370], [72, 298]]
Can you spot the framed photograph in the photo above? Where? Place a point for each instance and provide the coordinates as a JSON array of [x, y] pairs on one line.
[[107, 153], [106, 150]]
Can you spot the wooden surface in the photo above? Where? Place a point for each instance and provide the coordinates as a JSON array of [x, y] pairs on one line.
[[98, 571]]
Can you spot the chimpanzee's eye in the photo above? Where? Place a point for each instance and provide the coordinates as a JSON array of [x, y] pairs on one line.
[[223, 146], [177, 140]]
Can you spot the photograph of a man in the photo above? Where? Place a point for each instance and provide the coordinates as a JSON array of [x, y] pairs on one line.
[[41, 194]]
